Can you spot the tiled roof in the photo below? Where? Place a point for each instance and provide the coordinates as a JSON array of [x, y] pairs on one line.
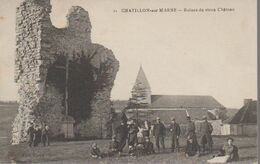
[[184, 101], [165, 115], [247, 114]]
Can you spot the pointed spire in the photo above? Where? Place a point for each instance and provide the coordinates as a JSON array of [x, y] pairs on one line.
[[141, 79]]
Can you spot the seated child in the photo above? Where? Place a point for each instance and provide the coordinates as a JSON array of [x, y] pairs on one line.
[[132, 151], [139, 149], [95, 152], [113, 146], [148, 146], [228, 153], [192, 148]]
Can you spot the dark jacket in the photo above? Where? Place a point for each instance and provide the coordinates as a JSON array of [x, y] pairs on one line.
[[30, 133], [148, 147], [45, 133], [190, 129], [37, 135], [232, 151], [192, 148], [121, 132], [206, 128], [175, 129], [159, 129], [132, 134]]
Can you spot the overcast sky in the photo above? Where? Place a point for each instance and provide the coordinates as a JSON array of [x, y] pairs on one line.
[[181, 53]]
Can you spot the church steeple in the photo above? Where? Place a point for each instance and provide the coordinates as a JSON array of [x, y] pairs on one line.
[[141, 79], [141, 90]]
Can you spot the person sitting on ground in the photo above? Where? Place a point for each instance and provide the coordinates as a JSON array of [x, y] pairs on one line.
[[228, 153], [113, 147], [192, 147], [139, 149], [95, 152], [148, 146], [132, 151], [230, 150]]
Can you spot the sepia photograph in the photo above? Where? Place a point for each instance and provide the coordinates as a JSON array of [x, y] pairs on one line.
[[128, 81]]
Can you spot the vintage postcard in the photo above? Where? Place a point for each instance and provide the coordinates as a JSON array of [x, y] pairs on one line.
[[128, 81]]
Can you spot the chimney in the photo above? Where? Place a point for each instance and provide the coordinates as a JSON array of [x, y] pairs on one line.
[[246, 101]]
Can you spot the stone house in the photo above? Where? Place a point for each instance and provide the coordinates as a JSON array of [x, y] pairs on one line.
[[244, 122]]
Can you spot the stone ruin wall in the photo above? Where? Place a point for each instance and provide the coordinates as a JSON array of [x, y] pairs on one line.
[[39, 46]]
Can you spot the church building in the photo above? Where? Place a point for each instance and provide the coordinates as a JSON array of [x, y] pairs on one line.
[[143, 105]]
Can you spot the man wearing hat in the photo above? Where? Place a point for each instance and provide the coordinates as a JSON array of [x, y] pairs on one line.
[[37, 135], [122, 132], [206, 130], [159, 133], [175, 130]]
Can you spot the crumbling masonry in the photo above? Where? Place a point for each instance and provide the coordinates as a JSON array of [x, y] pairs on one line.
[[41, 52]]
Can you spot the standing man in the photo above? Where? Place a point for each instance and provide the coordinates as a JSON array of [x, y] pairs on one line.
[[121, 130], [175, 130], [159, 133], [45, 136], [37, 136], [132, 133], [206, 130], [121, 136], [30, 133]]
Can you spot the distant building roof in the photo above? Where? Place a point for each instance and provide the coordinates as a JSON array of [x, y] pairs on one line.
[[179, 115], [141, 80], [165, 115], [247, 114], [184, 101], [118, 105], [231, 112]]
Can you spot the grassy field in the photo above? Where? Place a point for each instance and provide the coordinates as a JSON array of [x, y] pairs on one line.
[[78, 151]]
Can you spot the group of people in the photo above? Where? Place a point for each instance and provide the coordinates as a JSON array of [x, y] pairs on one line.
[[229, 152], [37, 135], [193, 148], [139, 139]]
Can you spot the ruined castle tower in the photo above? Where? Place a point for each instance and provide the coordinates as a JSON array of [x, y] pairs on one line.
[[41, 54]]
